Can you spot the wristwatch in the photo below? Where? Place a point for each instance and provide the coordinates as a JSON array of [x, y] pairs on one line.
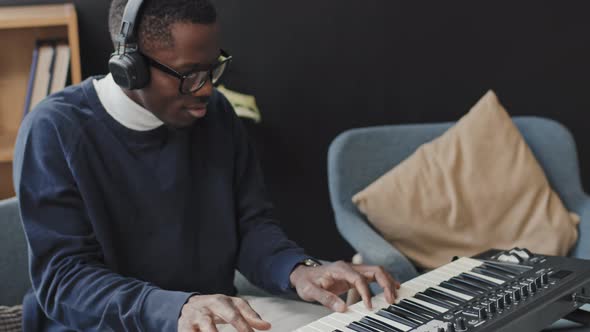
[[309, 262]]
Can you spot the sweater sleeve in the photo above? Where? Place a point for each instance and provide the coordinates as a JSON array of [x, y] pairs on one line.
[[71, 283], [266, 255]]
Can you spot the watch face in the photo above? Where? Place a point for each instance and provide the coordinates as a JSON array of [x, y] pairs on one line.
[[311, 262]]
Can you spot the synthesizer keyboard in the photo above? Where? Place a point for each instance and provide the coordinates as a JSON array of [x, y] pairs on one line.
[[511, 290]]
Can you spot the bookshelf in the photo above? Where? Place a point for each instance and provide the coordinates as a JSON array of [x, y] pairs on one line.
[[20, 27]]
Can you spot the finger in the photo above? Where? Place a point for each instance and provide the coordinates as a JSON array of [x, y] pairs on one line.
[[251, 316], [205, 323], [327, 299], [381, 277], [397, 284], [226, 310], [384, 282], [358, 281]]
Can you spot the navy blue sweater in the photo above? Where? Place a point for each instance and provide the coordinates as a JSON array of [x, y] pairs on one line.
[[123, 226]]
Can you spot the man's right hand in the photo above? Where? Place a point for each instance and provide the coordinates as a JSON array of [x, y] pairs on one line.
[[202, 313]]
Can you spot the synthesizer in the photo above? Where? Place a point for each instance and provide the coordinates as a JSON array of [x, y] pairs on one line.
[[510, 290]]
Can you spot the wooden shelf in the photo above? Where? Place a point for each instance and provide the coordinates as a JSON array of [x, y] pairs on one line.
[[36, 16], [20, 28], [44, 16]]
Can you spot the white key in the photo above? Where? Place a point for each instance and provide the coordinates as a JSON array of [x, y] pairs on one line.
[[425, 283], [310, 328], [413, 287], [434, 278], [344, 319], [335, 324], [323, 327], [454, 270], [428, 305]]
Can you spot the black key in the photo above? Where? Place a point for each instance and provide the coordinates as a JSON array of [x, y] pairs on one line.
[[396, 318], [500, 268], [376, 321], [444, 296], [462, 290], [362, 327], [411, 307], [407, 314], [469, 285], [492, 274], [426, 298], [336, 330], [434, 312], [410, 318], [481, 281], [379, 324]]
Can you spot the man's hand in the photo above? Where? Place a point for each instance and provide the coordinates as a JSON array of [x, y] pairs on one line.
[[202, 312], [324, 283]]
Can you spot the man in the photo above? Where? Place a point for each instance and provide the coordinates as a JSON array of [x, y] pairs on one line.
[[139, 204]]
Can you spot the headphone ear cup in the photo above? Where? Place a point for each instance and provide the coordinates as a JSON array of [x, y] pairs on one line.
[[129, 70], [141, 70]]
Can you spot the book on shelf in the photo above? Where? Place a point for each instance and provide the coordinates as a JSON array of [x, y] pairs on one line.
[[49, 71], [31, 81], [60, 67]]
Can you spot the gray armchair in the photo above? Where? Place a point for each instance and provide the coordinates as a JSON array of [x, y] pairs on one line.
[[357, 157], [14, 276]]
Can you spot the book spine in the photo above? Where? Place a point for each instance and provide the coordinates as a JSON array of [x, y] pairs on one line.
[[51, 67], [27, 107]]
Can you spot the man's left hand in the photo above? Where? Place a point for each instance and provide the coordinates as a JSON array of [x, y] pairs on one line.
[[324, 283]]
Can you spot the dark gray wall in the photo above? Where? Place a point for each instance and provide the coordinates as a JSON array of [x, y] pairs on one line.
[[320, 67]]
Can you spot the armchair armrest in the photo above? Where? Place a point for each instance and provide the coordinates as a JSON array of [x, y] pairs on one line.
[[582, 247]]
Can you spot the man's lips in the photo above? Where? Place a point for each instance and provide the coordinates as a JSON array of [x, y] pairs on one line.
[[197, 111]]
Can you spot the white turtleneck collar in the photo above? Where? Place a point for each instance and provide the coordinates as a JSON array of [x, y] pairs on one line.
[[122, 108]]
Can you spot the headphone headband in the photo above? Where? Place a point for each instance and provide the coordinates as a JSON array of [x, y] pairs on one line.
[[127, 32]]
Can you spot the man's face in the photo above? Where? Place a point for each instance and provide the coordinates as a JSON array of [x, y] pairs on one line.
[[193, 44]]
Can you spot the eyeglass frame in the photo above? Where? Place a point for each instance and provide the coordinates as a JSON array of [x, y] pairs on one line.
[[182, 77]]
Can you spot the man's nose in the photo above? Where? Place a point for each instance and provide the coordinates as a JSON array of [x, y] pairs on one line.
[[206, 90]]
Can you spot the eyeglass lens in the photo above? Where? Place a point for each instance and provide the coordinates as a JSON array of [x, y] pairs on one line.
[[196, 80]]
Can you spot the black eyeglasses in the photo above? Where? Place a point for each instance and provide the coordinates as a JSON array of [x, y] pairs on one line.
[[192, 81]]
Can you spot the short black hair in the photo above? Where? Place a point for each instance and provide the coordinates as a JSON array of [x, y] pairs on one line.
[[156, 17]]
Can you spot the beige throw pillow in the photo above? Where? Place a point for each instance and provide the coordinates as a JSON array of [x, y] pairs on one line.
[[476, 187]]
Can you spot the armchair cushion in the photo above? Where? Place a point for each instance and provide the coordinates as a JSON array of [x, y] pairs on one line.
[[475, 187]]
